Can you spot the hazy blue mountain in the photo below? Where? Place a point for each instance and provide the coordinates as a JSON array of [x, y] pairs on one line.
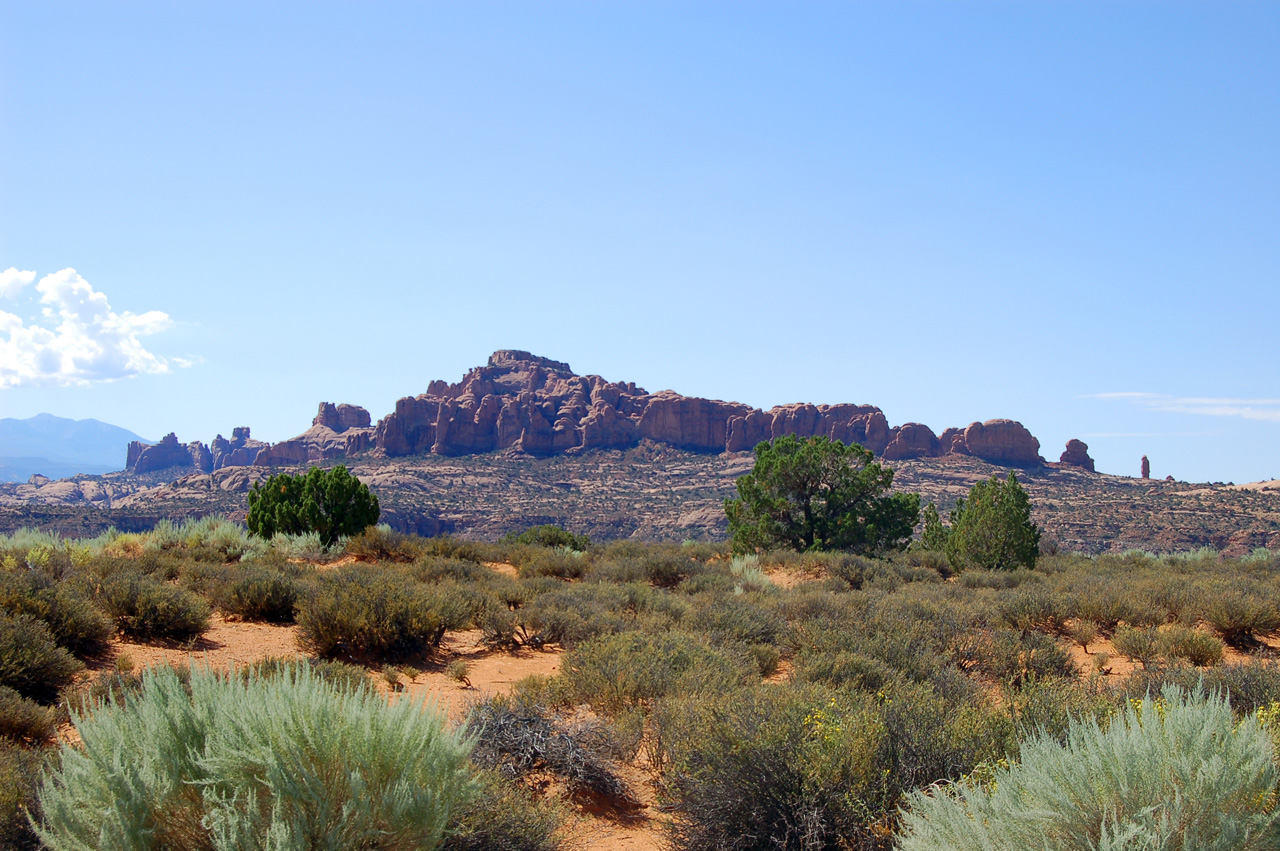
[[57, 447]]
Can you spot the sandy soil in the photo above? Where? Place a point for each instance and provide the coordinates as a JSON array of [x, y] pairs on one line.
[[787, 577]]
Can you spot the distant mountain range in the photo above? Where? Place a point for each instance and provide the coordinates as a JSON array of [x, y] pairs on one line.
[[58, 447]]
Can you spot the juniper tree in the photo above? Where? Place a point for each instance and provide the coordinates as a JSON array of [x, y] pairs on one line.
[[331, 503], [819, 494]]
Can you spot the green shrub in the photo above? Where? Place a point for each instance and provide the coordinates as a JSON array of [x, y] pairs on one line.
[[506, 817], [366, 611], [1198, 648], [1249, 686], [259, 594], [853, 570], [560, 563], [617, 671], [572, 614], [1241, 615], [1035, 607], [1140, 644], [1178, 773], [380, 543], [930, 736], [23, 720], [735, 620], [992, 529], [144, 608], [1016, 658], [768, 768], [208, 771], [31, 662], [20, 772], [75, 622], [550, 535], [844, 669], [438, 568], [447, 546], [999, 579], [668, 569]]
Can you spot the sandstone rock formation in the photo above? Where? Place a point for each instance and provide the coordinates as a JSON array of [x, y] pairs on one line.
[[541, 407], [1077, 455], [339, 418], [336, 432], [147, 458], [999, 442], [1146, 468], [239, 451]]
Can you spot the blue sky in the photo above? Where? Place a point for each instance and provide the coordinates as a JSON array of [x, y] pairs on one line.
[[1061, 213]]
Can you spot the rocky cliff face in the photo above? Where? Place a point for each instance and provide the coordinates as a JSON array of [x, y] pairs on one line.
[[542, 408], [239, 451], [149, 457]]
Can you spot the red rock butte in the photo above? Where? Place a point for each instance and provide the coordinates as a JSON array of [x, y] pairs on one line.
[[538, 406]]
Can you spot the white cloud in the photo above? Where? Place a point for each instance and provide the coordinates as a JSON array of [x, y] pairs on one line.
[[81, 340], [1266, 410], [12, 281]]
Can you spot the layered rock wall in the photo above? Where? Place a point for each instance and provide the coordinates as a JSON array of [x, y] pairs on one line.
[[541, 407]]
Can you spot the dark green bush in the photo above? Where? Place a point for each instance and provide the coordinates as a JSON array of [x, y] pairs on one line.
[[145, 608], [333, 503], [259, 594], [76, 623], [31, 662], [20, 772], [369, 612], [23, 720]]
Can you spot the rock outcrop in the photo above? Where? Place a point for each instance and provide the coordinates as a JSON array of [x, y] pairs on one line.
[[1077, 455], [340, 418], [998, 442], [1146, 468], [239, 451], [541, 407], [147, 458]]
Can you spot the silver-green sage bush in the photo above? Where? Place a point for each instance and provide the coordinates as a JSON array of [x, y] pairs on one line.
[[1176, 773], [284, 762]]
